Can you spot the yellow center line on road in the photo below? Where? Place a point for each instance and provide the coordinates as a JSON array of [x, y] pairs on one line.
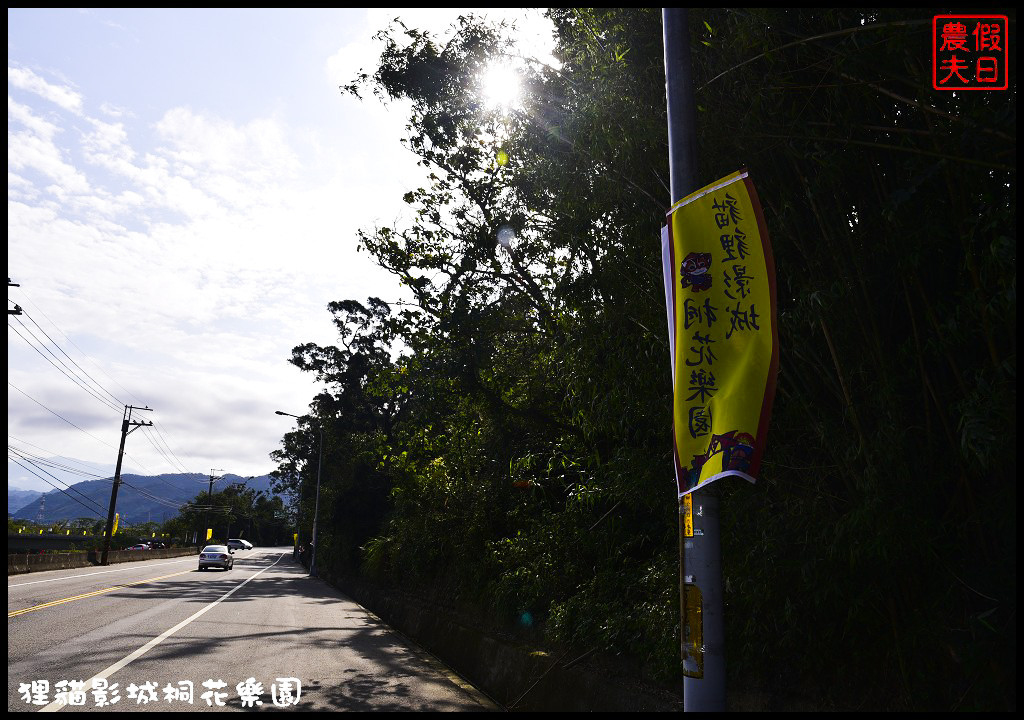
[[91, 594], [90, 684]]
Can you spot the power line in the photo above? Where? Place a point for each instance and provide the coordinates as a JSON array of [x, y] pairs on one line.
[[17, 308], [36, 461], [90, 467], [155, 498], [73, 378], [169, 484], [161, 446], [35, 464], [72, 424], [95, 389], [97, 365], [126, 423], [56, 414], [39, 460], [72, 360], [16, 461], [91, 511], [163, 437], [160, 451]]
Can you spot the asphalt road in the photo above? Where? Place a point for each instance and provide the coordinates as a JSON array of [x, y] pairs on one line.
[[264, 630]]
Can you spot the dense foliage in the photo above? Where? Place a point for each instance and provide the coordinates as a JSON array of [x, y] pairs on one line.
[[504, 442], [234, 512]]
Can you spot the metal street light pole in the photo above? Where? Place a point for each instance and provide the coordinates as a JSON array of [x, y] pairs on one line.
[[701, 596], [316, 507]]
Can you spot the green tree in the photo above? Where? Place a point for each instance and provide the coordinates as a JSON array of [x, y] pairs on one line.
[[236, 511], [505, 443]]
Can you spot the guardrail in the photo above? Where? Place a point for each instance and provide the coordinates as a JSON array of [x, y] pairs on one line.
[[18, 563]]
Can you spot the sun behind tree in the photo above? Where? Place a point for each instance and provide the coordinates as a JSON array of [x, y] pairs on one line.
[[500, 85]]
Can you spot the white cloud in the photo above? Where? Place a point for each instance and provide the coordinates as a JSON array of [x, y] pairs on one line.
[[27, 80], [114, 111], [258, 148], [20, 188], [188, 256], [107, 142], [34, 148]]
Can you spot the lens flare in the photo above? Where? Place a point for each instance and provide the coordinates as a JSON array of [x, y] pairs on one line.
[[506, 235]]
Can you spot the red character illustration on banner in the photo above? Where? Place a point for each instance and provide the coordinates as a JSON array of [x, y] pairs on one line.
[[736, 448], [696, 271]]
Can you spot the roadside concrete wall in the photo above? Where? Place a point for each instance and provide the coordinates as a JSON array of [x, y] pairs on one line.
[[18, 563], [519, 677]]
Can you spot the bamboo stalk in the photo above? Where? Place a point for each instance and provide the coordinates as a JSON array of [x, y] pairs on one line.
[[842, 383], [871, 338], [920, 365]]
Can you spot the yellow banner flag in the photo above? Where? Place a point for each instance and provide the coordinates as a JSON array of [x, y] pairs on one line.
[[720, 296], [117, 518]]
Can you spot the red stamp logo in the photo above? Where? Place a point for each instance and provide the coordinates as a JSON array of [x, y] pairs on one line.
[[970, 52]]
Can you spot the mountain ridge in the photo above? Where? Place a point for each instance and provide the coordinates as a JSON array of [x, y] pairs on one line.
[[140, 498], [18, 498]]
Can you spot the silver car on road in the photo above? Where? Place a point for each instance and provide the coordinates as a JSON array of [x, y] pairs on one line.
[[216, 556]]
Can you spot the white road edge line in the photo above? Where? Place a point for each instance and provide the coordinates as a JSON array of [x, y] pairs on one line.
[[104, 674], [187, 558]]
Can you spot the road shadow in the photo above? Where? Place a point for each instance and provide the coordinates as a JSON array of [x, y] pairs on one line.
[[385, 673]]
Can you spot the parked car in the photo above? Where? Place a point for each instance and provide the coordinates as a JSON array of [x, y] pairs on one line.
[[239, 544], [140, 546], [216, 556]]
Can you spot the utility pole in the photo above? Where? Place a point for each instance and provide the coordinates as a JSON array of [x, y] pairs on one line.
[[126, 422], [209, 500], [17, 308], [701, 627]]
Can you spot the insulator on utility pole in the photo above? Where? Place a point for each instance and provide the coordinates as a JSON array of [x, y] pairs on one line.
[[17, 308]]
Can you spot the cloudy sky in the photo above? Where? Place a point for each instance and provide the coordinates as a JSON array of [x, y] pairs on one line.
[[184, 189]]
